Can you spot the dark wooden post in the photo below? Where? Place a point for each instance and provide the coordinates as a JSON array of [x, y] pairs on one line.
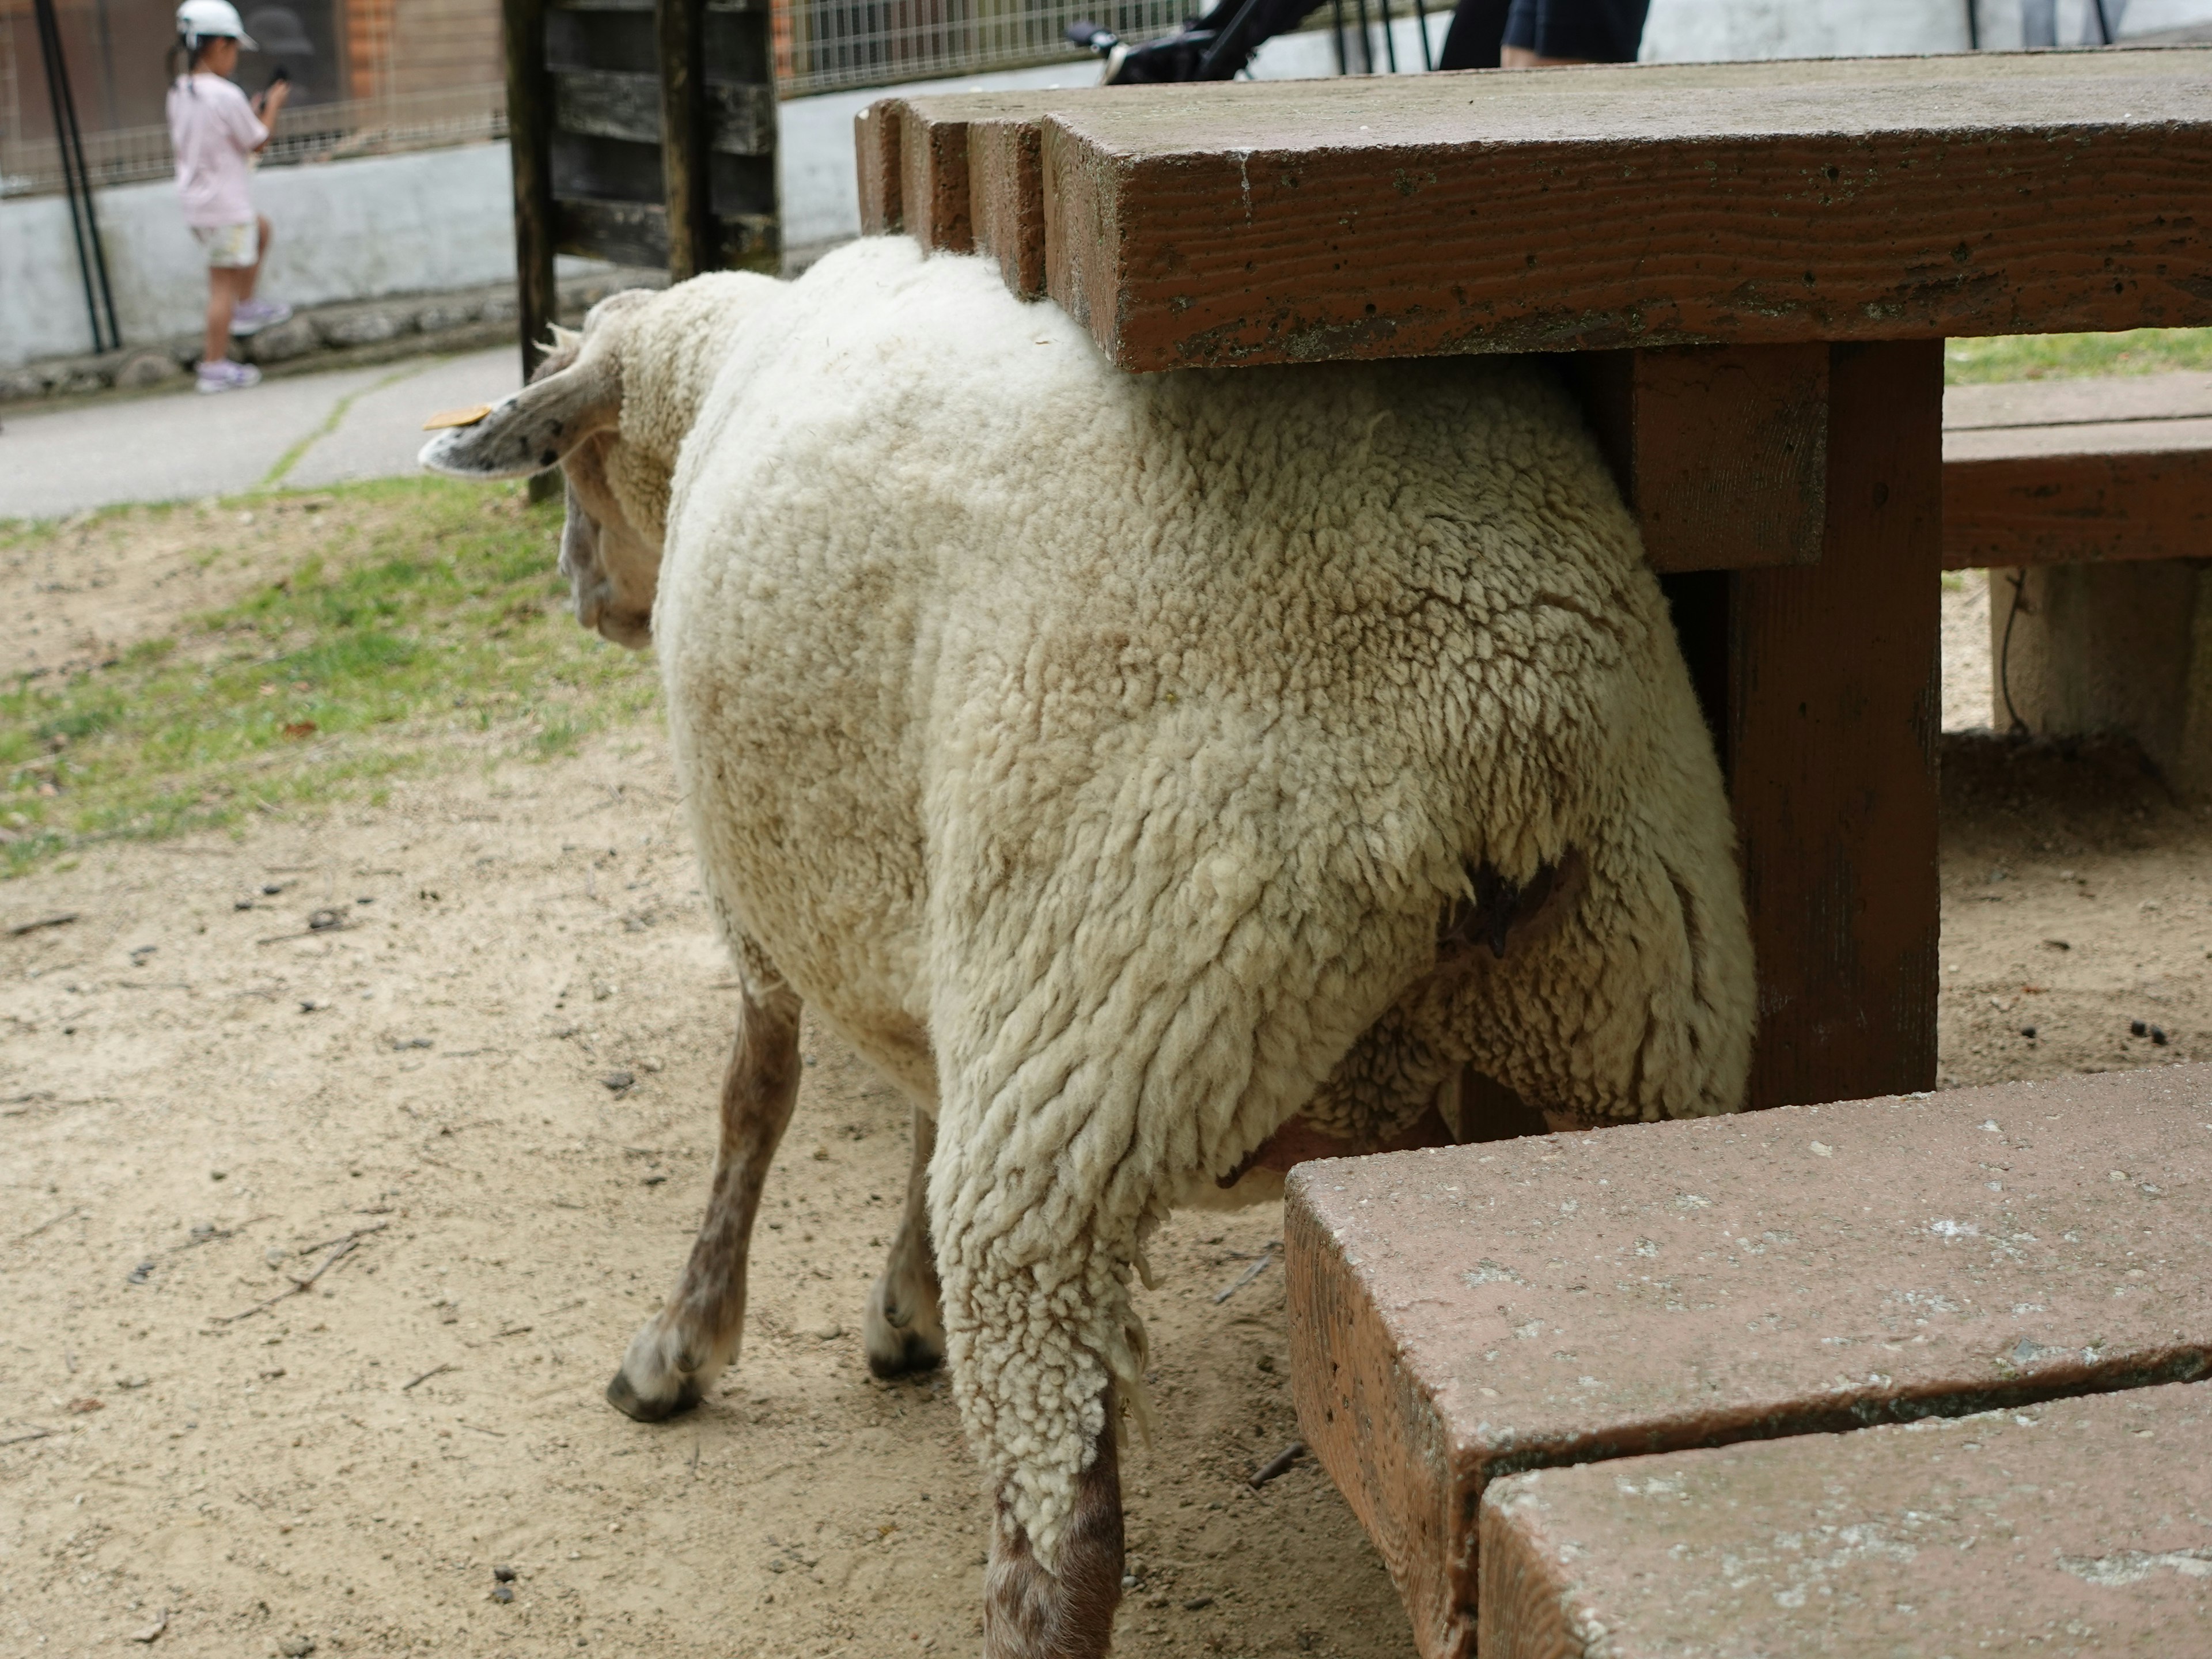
[[1822, 685], [530, 137], [529, 142], [679, 30]]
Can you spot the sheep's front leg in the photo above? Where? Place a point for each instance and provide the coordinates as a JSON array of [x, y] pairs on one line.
[[1030, 1612], [682, 1349], [904, 1329]]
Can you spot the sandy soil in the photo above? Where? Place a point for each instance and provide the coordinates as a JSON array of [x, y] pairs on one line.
[[200, 1100], [95, 585]]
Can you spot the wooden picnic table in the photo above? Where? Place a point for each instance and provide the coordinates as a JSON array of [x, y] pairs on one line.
[[1755, 265]]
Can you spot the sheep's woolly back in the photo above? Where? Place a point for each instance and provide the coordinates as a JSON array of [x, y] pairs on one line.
[[1100, 753]]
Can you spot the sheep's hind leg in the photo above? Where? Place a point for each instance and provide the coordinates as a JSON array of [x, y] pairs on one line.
[[1030, 1612], [904, 1329], [681, 1350]]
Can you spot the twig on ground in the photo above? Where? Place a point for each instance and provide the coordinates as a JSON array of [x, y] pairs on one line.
[[74, 1209], [358, 1232], [514, 1330], [1247, 1277], [18, 1439], [1278, 1464], [434, 1370], [346, 1246], [59, 919], [310, 932], [213, 1234], [496, 1434]]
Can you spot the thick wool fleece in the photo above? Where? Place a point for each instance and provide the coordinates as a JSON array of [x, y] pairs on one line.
[[1099, 753]]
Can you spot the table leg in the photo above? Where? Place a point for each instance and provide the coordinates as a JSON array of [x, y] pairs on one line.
[[1822, 682]]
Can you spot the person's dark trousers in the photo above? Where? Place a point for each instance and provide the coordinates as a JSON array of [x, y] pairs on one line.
[[1593, 31], [1476, 36]]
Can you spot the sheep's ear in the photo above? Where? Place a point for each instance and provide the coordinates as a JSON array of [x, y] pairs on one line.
[[535, 427]]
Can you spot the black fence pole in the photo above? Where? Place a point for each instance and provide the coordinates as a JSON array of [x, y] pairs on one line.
[[84, 185], [50, 55]]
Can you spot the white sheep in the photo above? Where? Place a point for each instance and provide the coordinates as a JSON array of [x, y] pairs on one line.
[[1154, 776]]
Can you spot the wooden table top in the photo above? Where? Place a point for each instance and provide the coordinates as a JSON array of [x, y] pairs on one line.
[[1580, 208]]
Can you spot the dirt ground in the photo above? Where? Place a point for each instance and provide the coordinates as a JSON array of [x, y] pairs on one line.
[[79, 592], [424, 1112]]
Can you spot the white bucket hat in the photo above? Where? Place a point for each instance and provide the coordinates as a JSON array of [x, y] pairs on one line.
[[209, 20]]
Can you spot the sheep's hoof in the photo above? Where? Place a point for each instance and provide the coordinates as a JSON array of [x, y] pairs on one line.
[[902, 1353], [901, 1339], [626, 1399]]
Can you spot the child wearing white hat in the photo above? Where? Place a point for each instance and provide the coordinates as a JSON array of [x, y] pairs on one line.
[[216, 131]]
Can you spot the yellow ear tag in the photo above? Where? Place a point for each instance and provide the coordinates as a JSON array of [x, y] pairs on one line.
[[468, 416]]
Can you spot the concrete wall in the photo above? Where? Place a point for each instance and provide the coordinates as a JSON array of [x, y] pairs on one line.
[[347, 230]]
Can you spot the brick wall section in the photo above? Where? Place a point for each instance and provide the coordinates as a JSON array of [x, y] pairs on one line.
[[2076, 1527], [1464, 1314], [395, 47]]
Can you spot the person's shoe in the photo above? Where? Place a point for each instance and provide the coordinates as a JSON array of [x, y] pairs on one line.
[[227, 376], [252, 316]]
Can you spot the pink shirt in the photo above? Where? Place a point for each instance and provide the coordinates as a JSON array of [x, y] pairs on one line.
[[214, 131]]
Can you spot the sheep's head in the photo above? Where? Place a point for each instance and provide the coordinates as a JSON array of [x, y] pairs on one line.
[[571, 414]]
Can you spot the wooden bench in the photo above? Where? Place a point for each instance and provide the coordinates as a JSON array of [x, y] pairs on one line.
[[2072, 1526], [2098, 494], [1755, 265], [1462, 1315]]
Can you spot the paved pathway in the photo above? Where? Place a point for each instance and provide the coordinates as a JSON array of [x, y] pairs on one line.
[[301, 432]]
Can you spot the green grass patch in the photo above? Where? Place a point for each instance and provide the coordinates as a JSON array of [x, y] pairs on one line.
[[422, 615], [2063, 356]]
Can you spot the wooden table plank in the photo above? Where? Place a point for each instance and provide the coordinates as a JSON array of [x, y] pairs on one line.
[[1628, 205], [2069, 1527], [1464, 1314]]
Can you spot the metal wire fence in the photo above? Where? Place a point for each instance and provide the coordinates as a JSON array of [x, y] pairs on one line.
[[822, 45], [315, 132]]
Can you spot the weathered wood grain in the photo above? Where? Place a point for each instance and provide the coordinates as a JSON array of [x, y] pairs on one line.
[[680, 109], [1686, 1554], [1005, 201], [609, 104], [1632, 205], [933, 177], [876, 155], [1461, 1315], [1721, 451], [627, 233], [2077, 509], [1833, 708], [530, 131]]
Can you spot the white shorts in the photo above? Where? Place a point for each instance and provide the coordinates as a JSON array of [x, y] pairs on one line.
[[230, 248]]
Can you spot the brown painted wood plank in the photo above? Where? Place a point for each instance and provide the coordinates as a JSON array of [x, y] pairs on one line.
[[1721, 451], [1005, 201], [1833, 708], [2078, 471], [933, 177], [1464, 1314], [2067, 1527], [875, 154], [1636, 205], [951, 153], [2077, 509]]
